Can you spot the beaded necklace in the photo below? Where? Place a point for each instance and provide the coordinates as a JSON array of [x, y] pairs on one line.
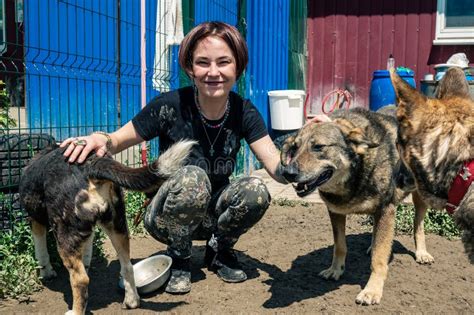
[[205, 123], [204, 120]]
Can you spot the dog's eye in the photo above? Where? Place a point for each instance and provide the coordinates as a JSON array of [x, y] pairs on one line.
[[317, 147]]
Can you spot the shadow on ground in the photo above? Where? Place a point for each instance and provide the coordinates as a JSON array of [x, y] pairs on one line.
[[302, 282], [104, 289]]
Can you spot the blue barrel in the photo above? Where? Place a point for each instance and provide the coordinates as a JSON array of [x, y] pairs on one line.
[[381, 89]]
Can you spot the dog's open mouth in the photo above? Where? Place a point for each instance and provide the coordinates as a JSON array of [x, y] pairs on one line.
[[305, 188]]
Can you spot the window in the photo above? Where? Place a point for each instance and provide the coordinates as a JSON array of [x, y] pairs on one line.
[[3, 25], [455, 22]]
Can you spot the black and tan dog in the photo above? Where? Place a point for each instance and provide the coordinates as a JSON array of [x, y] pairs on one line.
[[354, 163], [436, 141], [72, 198]]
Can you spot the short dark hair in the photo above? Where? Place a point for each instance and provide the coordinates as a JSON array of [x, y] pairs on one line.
[[227, 32]]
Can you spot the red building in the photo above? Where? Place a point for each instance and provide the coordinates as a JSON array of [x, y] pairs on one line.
[[349, 39]]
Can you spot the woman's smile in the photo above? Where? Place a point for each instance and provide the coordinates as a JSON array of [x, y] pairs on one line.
[[214, 83]]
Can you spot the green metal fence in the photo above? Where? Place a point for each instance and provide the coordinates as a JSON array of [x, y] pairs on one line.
[[298, 55]]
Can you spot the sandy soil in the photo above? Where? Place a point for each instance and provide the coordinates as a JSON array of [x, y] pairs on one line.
[[282, 256]]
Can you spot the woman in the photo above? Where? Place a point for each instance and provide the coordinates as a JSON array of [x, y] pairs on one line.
[[199, 202]]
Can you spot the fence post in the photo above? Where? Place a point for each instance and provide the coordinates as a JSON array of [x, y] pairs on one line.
[[143, 68], [119, 69]]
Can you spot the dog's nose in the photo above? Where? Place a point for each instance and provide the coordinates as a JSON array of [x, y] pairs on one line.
[[290, 172]]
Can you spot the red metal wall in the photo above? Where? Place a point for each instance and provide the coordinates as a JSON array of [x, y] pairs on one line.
[[349, 39]]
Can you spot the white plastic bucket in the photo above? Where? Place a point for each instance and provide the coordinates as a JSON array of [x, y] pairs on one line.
[[286, 109]]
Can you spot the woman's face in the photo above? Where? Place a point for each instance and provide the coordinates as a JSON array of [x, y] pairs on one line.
[[213, 68]]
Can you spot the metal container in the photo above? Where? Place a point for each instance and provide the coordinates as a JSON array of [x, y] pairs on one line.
[[150, 273]]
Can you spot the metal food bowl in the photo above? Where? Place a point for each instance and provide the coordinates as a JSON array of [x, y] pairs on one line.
[[150, 273]]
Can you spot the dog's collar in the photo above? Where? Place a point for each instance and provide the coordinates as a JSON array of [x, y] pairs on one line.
[[460, 185]]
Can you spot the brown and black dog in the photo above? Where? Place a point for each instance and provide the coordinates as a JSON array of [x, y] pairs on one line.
[[436, 142], [72, 198], [354, 163]]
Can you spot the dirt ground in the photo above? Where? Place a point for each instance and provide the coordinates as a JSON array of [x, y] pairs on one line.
[[282, 256]]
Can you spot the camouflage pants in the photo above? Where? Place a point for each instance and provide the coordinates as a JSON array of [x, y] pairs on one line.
[[185, 209]]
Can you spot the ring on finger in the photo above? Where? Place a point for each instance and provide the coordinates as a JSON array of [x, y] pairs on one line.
[[82, 142]]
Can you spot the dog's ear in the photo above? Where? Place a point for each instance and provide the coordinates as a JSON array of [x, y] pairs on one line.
[[287, 150], [453, 84], [357, 136], [405, 93]]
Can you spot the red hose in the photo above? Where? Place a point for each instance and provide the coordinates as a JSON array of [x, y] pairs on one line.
[[342, 96], [347, 97], [305, 107]]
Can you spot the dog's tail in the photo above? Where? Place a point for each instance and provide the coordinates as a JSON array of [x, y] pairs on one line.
[[146, 178]]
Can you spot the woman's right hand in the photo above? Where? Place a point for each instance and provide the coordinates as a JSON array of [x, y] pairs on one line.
[[78, 148], [318, 118]]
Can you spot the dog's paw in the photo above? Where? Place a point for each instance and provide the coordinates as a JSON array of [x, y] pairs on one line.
[[423, 257], [332, 273], [131, 301], [71, 312], [47, 273], [369, 297]]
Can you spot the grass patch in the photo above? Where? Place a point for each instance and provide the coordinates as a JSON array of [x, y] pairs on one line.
[[134, 205], [285, 202], [19, 274], [18, 268], [435, 222]]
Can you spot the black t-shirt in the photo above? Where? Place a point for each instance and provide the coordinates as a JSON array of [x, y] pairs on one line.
[[173, 116]]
